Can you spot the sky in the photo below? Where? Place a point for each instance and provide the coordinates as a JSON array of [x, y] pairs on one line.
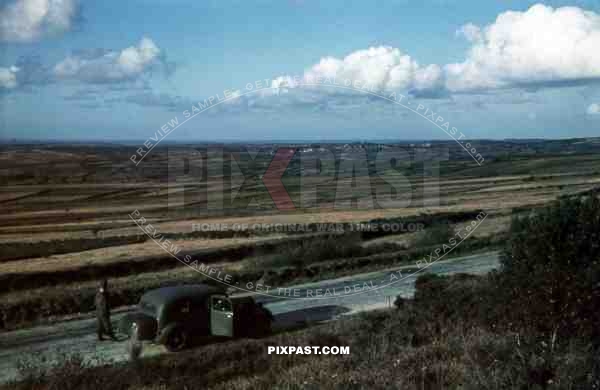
[[299, 69]]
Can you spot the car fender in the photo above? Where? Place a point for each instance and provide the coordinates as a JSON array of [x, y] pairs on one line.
[[145, 324]]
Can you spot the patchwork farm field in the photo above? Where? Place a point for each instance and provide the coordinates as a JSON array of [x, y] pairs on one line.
[[66, 221]]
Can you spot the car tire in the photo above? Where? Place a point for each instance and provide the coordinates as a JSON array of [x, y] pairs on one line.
[[176, 340]]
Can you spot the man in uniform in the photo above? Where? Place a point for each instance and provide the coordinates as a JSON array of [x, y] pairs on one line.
[[103, 312]]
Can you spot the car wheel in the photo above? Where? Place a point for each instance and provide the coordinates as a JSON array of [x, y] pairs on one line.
[[176, 341]]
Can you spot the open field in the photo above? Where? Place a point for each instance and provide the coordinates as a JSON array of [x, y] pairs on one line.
[[66, 222]]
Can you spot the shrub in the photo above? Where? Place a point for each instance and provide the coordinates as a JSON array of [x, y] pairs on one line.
[[435, 235], [550, 268], [300, 253], [64, 371]]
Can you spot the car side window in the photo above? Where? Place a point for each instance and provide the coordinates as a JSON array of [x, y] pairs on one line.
[[221, 304]]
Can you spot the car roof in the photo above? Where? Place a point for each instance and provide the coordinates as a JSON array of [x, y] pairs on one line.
[[170, 294]]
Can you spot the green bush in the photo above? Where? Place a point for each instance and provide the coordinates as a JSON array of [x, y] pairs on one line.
[[437, 234], [550, 268], [300, 253]]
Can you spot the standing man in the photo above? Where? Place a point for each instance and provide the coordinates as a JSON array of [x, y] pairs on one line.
[[103, 312]]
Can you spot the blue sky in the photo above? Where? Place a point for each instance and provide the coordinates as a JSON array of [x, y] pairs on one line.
[[118, 70]]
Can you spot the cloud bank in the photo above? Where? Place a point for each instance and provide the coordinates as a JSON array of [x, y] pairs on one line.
[[540, 47], [31, 20], [110, 66], [87, 67], [382, 68]]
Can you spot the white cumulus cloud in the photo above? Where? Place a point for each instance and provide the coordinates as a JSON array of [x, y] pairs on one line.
[[8, 77], [110, 66], [593, 109], [30, 20], [380, 68], [541, 46]]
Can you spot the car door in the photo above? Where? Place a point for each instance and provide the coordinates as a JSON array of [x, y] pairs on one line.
[[221, 316], [180, 313]]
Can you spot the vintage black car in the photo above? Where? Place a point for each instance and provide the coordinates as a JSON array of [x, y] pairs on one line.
[[179, 315]]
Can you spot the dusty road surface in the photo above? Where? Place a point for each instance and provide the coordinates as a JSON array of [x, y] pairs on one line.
[[78, 336]]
